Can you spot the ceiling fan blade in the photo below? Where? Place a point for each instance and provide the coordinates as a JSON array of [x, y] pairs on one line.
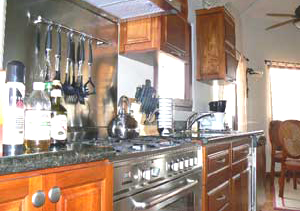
[[280, 15], [280, 24]]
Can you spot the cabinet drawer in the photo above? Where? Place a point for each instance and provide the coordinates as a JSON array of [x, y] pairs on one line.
[[240, 152], [215, 179], [219, 197], [217, 161], [239, 167]]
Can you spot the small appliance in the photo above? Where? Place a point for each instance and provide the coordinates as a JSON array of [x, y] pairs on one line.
[[214, 122]]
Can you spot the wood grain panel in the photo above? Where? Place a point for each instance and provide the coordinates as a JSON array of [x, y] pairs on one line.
[[218, 161], [219, 197], [240, 153], [217, 178], [81, 198]]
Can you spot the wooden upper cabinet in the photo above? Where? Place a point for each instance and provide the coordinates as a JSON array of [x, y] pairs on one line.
[[216, 58], [83, 187], [169, 33], [140, 35]]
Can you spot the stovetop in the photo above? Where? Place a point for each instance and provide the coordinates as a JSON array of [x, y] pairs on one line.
[[140, 144]]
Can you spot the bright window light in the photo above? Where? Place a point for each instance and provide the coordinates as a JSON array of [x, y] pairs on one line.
[[285, 87], [171, 77]]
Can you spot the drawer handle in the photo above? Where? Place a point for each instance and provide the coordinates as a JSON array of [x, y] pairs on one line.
[[221, 160], [176, 53], [221, 198], [246, 151]]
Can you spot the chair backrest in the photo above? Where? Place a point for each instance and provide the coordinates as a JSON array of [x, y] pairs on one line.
[[289, 136], [273, 134]]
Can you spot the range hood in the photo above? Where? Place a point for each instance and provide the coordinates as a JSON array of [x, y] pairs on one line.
[[132, 9]]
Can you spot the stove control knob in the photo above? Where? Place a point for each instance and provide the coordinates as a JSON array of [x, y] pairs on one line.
[[155, 172], [181, 164], [191, 162], [196, 161], [186, 163], [146, 174], [175, 166]]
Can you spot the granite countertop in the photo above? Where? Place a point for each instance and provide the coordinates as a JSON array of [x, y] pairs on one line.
[[79, 152], [205, 137]]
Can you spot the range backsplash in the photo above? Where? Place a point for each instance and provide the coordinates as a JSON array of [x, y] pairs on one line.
[[92, 118]]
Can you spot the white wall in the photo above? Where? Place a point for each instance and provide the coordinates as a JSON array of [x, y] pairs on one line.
[[202, 93], [132, 73], [278, 44], [2, 31]]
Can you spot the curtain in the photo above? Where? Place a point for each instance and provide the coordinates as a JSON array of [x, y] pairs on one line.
[[241, 82]]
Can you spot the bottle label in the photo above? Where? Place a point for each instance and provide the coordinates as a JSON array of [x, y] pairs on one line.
[[55, 93], [13, 117], [59, 127], [37, 125]]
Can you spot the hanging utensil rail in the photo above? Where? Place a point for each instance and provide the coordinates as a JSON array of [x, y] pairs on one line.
[[40, 20]]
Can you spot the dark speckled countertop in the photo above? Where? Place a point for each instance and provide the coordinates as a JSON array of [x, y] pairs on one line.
[[78, 152]]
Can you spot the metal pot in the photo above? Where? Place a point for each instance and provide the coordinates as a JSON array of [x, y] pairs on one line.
[[123, 126]]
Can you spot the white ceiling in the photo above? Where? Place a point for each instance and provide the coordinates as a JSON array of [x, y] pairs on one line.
[[259, 8]]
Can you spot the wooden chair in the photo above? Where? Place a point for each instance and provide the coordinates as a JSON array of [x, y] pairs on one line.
[[276, 149], [289, 137]]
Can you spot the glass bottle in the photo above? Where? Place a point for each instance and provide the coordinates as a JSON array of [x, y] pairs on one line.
[[59, 119], [37, 120]]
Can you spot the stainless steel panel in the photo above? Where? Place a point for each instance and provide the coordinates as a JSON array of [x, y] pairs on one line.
[[19, 45], [164, 195]]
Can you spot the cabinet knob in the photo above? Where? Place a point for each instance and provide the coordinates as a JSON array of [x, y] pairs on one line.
[[54, 194], [38, 199]]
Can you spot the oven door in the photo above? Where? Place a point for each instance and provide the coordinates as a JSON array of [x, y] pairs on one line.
[[182, 194]]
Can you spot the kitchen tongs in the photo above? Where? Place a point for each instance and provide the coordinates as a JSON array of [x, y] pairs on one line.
[[90, 83]]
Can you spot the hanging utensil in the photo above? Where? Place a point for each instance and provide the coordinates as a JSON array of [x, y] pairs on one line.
[[74, 84], [81, 91], [68, 90], [89, 83], [58, 55], [48, 49]]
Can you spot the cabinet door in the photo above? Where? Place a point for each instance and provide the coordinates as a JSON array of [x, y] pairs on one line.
[[16, 194], [140, 35], [84, 189], [240, 191], [210, 46], [174, 35]]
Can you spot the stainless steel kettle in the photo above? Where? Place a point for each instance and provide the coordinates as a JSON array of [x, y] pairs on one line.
[[123, 126]]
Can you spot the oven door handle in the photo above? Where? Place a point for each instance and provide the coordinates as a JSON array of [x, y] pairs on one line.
[[168, 195]]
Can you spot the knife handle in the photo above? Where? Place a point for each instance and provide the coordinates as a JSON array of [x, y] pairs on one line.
[[90, 53], [58, 51], [49, 38]]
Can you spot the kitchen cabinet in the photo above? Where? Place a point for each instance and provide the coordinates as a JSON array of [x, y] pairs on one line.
[[225, 178], [216, 53], [169, 33], [86, 187]]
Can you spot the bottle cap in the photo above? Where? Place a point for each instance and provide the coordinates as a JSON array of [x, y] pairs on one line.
[[38, 86], [15, 72]]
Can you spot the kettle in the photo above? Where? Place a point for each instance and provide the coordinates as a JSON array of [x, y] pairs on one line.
[[123, 126]]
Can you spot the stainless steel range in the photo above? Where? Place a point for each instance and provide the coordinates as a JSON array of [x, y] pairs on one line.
[[157, 174]]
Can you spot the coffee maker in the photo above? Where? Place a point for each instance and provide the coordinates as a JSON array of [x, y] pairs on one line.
[[217, 120]]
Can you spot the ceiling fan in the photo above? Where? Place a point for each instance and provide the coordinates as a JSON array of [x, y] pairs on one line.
[[295, 18]]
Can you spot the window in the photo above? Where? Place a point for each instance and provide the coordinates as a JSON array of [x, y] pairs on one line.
[[285, 97]]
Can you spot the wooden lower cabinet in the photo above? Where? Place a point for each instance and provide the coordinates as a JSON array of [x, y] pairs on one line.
[[83, 187], [16, 194], [240, 191], [225, 176]]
